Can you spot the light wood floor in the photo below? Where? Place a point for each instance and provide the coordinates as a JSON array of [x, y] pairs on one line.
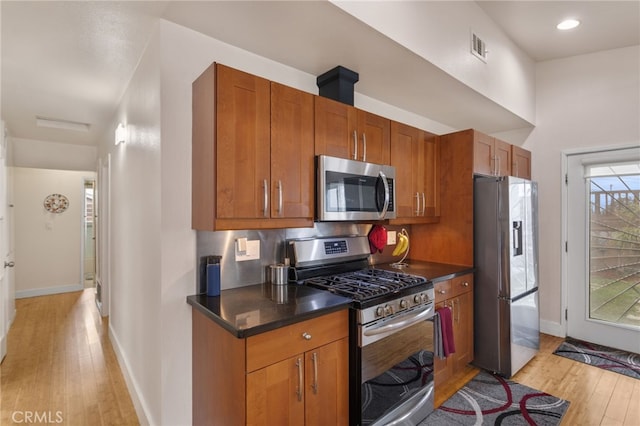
[[60, 367], [597, 396]]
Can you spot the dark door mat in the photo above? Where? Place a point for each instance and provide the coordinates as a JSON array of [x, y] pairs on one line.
[[610, 359], [492, 400]]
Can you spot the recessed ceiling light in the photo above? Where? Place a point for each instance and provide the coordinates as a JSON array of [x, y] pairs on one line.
[[568, 24], [54, 123]]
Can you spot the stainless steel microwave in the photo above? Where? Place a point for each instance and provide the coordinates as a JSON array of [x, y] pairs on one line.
[[350, 190]]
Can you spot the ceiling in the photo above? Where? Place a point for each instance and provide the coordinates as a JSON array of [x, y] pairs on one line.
[[73, 60]]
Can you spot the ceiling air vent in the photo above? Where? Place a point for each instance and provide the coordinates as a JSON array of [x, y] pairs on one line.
[[478, 47]]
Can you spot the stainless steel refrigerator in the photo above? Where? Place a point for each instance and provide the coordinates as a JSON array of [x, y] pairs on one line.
[[506, 320]]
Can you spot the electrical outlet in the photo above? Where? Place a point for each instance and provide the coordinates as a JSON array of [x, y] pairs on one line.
[[391, 238]]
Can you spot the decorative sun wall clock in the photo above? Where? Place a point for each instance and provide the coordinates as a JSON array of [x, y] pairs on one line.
[[56, 203]]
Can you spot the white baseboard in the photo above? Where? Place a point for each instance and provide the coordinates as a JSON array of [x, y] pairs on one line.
[[48, 290], [552, 328], [132, 386]]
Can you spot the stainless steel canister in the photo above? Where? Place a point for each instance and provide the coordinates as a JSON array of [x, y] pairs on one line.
[[279, 273]]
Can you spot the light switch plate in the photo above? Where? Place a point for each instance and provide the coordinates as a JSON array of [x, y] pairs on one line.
[[242, 245], [252, 251], [391, 238]]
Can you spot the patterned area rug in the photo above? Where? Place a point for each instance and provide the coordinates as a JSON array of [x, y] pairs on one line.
[[493, 400], [622, 362]]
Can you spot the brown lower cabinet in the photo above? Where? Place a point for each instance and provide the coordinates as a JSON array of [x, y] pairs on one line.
[[294, 375], [457, 294]]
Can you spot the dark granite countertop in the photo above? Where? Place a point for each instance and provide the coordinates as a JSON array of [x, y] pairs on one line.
[[432, 271], [254, 309]]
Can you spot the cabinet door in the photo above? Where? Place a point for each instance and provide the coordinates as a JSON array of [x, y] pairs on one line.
[[483, 154], [327, 384], [242, 144], [404, 140], [443, 367], [521, 162], [430, 173], [275, 394], [292, 161], [374, 138], [502, 155], [463, 330], [335, 128]]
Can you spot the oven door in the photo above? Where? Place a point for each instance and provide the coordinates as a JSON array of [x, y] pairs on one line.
[[397, 377]]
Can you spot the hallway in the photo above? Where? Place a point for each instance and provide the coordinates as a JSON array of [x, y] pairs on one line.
[[60, 367]]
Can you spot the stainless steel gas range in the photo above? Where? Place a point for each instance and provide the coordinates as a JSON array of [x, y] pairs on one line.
[[391, 338]]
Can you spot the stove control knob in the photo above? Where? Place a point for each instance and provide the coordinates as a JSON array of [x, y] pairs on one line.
[[403, 304], [387, 310], [426, 298], [380, 311], [417, 299]]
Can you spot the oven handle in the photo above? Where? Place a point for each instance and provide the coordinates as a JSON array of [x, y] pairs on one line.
[[386, 194], [409, 414], [395, 325]]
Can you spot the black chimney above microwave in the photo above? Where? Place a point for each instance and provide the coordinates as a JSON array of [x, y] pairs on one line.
[[337, 84]]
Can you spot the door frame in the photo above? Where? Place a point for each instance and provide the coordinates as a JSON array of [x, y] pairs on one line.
[[564, 288], [102, 209], [83, 231]]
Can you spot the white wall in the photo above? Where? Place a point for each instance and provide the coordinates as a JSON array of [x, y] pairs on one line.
[[135, 235], [52, 155], [440, 31], [583, 101], [47, 245]]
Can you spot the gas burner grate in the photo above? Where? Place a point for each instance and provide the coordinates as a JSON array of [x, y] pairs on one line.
[[366, 283]]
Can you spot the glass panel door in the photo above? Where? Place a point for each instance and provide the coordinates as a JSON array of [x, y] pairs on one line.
[[602, 266], [614, 246]]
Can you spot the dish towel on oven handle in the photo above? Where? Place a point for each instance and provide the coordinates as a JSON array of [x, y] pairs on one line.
[[443, 331]]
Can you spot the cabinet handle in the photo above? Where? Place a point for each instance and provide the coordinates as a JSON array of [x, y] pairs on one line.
[[465, 284], [314, 357], [417, 204], [364, 147], [279, 198], [442, 292], [266, 197], [355, 145], [499, 167], [424, 203], [299, 390], [306, 336]]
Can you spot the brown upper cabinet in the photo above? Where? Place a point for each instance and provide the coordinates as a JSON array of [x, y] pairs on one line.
[[252, 153], [347, 132], [521, 166], [414, 154], [491, 156]]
